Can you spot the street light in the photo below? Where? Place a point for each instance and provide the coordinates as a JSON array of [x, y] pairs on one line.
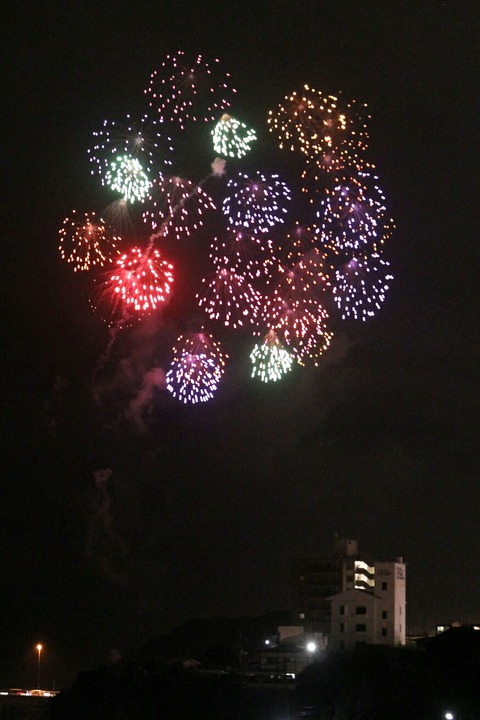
[[39, 649], [311, 648]]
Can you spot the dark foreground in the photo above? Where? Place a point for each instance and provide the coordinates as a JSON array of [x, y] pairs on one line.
[[438, 680]]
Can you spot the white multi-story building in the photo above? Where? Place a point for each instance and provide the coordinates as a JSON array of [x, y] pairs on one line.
[[373, 613]]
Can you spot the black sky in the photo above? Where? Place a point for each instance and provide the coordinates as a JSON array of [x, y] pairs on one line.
[[205, 507]]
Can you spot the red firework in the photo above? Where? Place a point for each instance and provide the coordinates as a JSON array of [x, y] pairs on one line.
[[140, 284]]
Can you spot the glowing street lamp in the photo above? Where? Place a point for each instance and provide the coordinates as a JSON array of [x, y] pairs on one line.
[[39, 649]]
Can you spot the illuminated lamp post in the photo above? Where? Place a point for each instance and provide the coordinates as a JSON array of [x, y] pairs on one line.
[[39, 649], [311, 649]]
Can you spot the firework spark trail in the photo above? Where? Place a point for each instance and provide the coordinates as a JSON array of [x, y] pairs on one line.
[[104, 357]]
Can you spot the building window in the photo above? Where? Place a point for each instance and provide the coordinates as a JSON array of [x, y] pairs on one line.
[[384, 585], [384, 614], [301, 616], [361, 627], [360, 610], [384, 632], [400, 610], [342, 627], [342, 609]]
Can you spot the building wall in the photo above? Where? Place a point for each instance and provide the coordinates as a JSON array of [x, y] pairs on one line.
[[390, 587], [376, 617], [354, 619]]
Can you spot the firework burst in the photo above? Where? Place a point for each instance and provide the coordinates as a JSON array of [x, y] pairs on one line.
[[320, 126], [270, 361], [189, 89], [256, 204], [193, 378], [175, 205], [302, 324], [354, 215], [144, 140], [229, 299], [86, 242], [361, 286], [232, 138], [127, 176], [197, 367], [139, 285], [200, 343], [247, 254], [270, 267]]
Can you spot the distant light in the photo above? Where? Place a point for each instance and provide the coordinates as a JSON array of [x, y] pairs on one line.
[[267, 642], [449, 716], [311, 647]]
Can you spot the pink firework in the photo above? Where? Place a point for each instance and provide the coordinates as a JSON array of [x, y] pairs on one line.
[[304, 280], [247, 254], [87, 241], [230, 299], [301, 324], [189, 89], [200, 343], [176, 206], [140, 284]]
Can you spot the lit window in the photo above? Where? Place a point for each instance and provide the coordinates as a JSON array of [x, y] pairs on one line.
[[301, 616]]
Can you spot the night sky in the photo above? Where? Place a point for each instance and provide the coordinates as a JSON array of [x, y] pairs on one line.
[[197, 511]]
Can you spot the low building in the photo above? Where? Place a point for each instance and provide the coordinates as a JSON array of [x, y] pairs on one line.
[[375, 615]]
